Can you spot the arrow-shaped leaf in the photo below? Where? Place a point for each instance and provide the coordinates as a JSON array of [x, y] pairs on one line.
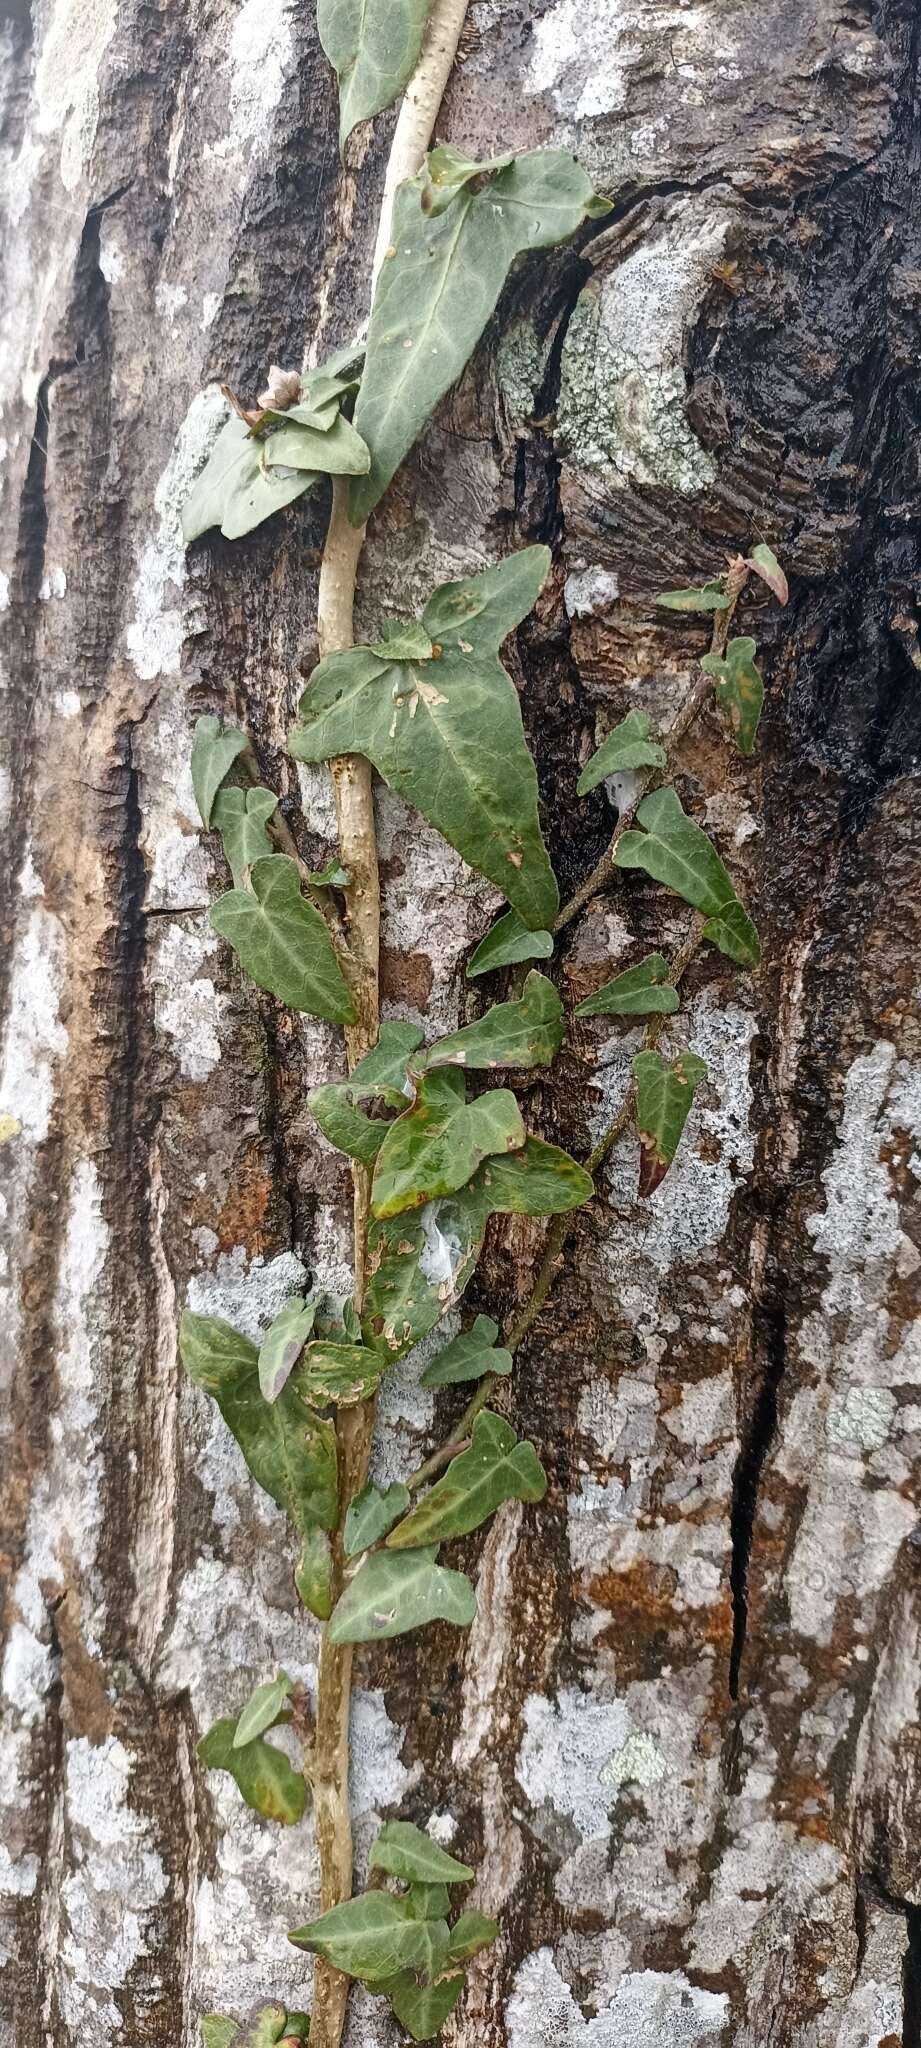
[[290, 1452], [675, 851], [392, 1593], [641, 991], [626, 748], [371, 1514], [438, 1145], [214, 751], [496, 1468], [407, 1852], [283, 1343], [709, 597], [372, 46], [739, 689], [664, 1094], [468, 1357], [346, 1127], [765, 564], [506, 944], [262, 1709], [241, 816], [282, 942], [731, 929], [371, 1936], [422, 2008], [527, 1033], [261, 1772], [234, 491], [383, 1069], [447, 734], [437, 289]]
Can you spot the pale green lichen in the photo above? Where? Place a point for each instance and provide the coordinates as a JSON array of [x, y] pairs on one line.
[[520, 365], [623, 417]]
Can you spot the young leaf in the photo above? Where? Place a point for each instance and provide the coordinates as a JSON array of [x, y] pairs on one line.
[[333, 876], [468, 1357], [437, 289], [495, 1469], [448, 735], [765, 564], [641, 991], [448, 169], [262, 1709], [283, 1343], [422, 2008], [664, 1094], [214, 751], [438, 1145], [626, 748], [334, 451], [313, 1574], [469, 1934], [506, 944], [234, 491], [372, 46], [272, 2025], [391, 1594], [371, 1936], [675, 851], [346, 1127], [241, 816], [290, 1453], [371, 1514], [527, 1033], [261, 1772], [282, 942], [710, 597], [344, 1373], [407, 1852], [739, 689], [540, 1180], [731, 929]]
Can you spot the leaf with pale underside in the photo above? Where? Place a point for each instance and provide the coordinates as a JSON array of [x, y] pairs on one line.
[[422, 2008], [342, 1373], [739, 688], [626, 748], [371, 1514], [372, 46], [261, 1773], [282, 941], [437, 1145], [241, 816], [283, 1343], [394, 1592], [214, 750], [371, 1936], [765, 564], [262, 1709], [468, 1357], [234, 491], [469, 1934], [708, 597], [641, 991], [447, 735], [506, 944], [290, 1452], [334, 451], [496, 1468], [407, 1852], [664, 1094], [675, 851], [313, 1573], [526, 1033], [438, 286]]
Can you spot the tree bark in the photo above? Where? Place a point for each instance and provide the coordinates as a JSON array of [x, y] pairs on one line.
[[680, 1742]]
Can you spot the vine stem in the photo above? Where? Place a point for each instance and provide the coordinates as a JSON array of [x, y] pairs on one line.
[[352, 785]]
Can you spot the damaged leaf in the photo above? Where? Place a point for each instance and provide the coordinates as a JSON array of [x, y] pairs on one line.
[[526, 1033], [283, 1343], [764, 563], [664, 1094], [437, 1145], [261, 1773], [739, 689]]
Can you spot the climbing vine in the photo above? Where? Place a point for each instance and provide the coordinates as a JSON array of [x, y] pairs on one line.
[[435, 1148]]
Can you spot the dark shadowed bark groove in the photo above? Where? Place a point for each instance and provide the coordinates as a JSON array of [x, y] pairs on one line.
[[681, 1743]]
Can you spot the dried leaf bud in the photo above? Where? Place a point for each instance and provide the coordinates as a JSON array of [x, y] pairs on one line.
[[283, 389]]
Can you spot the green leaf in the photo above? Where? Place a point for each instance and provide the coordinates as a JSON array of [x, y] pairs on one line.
[[346, 1127], [372, 46], [282, 942], [425, 1259], [392, 1594], [626, 748], [509, 942], [371, 1514], [447, 735], [422, 2008], [383, 1069], [214, 751], [438, 1145], [541, 1180], [290, 1452], [371, 1936], [262, 1709], [438, 287], [313, 1574], [641, 991], [710, 597], [283, 1343], [739, 689], [469, 1934], [765, 564], [233, 491], [241, 816], [273, 2025], [333, 876], [468, 1357], [297, 2026], [527, 1033], [261, 1773], [664, 1094], [407, 1852], [334, 451], [496, 1468], [403, 640], [430, 1901], [218, 2032], [344, 1373], [731, 929], [675, 851]]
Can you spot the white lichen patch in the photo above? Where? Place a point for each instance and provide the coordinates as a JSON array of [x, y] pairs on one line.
[[639, 1761], [153, 638], [118, 1879], [76, 37], [176, 855], [247, 1292], [35, 1038], [860, 1225], [53, 584], [590, 590], [861, 1419], [621, 411], [566, 1746], [187, 1006], [649, 2009], [259, 60]]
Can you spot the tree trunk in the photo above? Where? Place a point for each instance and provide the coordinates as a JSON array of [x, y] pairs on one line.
[[681, 1740]]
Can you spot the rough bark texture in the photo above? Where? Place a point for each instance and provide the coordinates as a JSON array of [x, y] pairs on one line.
[[681, 1741]]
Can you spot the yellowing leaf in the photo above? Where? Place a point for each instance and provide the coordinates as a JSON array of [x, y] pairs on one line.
[[739, 689], [261, 1772], [438, 1145]]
